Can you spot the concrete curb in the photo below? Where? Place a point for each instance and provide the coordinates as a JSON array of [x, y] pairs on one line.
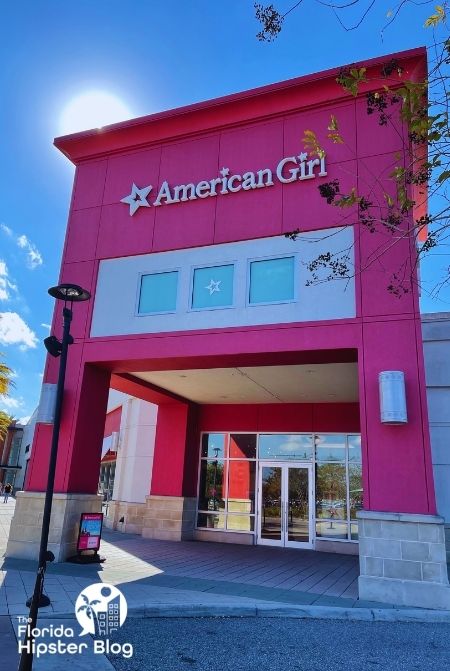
[[277, 611]]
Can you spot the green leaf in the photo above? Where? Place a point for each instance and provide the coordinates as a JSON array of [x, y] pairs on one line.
[[443, 176], [434, 19]]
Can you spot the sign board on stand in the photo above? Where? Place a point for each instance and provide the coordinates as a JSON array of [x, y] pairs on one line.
[[89, 537]]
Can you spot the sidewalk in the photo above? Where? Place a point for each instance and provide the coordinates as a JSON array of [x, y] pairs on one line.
[[160, 578], [168, 596], [163, 579]]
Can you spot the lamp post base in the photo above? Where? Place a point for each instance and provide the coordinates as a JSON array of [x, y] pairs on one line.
[[43, 601]]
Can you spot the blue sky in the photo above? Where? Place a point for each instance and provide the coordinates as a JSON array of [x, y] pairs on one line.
[[153, 55]]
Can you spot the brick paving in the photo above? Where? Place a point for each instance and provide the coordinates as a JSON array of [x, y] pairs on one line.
[[152, 571], [293, 570], [168, 579]]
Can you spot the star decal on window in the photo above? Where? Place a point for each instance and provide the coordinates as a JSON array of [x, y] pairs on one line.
[[213, 286]]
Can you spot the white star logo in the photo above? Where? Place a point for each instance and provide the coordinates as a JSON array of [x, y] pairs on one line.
[[213, 286], [303, 156], [137, 198]]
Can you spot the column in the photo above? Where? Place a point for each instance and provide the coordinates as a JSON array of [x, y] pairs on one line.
[[78, 463], [172, 501], [401, 540]]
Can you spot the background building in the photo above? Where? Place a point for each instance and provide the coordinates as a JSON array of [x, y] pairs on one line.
[[436, 347], [25, 450], [10, 454]]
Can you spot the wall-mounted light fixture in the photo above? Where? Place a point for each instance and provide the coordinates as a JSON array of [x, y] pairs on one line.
[[392, 397], [47, 402]]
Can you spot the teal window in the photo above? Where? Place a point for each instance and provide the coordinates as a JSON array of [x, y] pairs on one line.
[[213, 287], [272, 280], [158, 292]]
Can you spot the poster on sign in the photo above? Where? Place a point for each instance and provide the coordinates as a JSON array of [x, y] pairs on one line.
[[90, 531]]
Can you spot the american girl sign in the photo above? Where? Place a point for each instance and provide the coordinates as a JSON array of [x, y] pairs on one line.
[[289, 170]]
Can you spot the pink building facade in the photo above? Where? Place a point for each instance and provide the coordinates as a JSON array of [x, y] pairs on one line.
[[266, 380]]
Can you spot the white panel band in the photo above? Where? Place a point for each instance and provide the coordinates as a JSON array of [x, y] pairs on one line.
[[118, 285]]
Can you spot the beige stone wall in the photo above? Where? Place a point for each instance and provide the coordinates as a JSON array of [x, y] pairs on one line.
[[132, 513], [403, 559], [169, 518], [25, 534]]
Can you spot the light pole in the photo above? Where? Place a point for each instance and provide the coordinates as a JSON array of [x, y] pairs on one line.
[[69, 293]]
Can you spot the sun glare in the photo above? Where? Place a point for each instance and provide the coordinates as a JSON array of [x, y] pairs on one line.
[[92, 109]]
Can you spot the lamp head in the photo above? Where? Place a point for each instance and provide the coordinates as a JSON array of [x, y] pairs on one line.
[[72, 293], [53, 346]]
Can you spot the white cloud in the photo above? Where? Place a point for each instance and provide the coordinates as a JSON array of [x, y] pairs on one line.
[[10, 403], [46, 326], [6, 229], [34, 257], [14, 331], [5, 283]]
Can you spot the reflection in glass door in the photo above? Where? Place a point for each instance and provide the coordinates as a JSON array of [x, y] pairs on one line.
[[285, 505], [271, 505]]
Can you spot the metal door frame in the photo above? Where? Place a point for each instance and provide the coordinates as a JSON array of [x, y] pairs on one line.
[[284, 542]]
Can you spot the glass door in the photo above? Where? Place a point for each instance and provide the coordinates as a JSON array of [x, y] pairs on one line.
[[299, 508], [285, 505], [271, 505]]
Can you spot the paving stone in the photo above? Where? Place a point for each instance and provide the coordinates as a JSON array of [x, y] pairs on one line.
[[228, 589], [17, 609], [371, 604], [8, 645]]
